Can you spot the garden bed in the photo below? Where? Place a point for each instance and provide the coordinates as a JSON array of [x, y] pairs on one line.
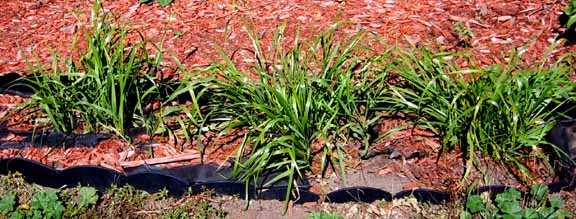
[[253, 43]]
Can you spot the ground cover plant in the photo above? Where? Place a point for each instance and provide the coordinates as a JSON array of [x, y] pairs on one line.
[[19, 199], [511, 204], [324, 215]]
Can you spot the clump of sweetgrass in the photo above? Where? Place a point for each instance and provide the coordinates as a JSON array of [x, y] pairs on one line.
[[306, 101], [106, 90], [500, 112]]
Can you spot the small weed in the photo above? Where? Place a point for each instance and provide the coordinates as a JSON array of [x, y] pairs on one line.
[[46, 205], [568, 21], [465, 34], [324, 215], [178, 33], [510, 205], [7, 203], [162, 3], [570, 12], [88, 197]]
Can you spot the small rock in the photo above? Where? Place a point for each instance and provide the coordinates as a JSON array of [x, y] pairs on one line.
[[352, 211], [501, 41], [384, 171], [441, 40], [417, 154], [375, 25], [482, 9], [395, 154]]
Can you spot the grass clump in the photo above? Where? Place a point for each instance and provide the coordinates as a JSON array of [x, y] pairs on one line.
[[296, 104], [570, 15], [500, 112], [106, 90]]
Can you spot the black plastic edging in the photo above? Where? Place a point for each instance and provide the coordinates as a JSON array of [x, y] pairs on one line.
[[51, 139], [154, 180]]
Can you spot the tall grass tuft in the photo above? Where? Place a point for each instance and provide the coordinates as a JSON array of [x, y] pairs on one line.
[[306, 101], [500, 112], [106, 89]]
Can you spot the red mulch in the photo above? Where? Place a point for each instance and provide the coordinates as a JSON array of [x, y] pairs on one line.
[[30, 30]]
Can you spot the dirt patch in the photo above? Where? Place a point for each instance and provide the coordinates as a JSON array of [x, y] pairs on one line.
[[369, 173], [397, 209]]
